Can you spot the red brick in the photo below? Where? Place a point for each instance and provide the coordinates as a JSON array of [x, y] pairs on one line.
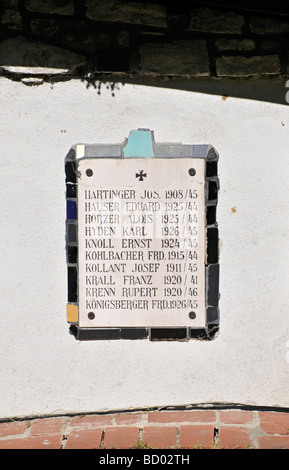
[[36, 442], [161, 437], [196, 435], [12, 428], [191, 416], [236, 416], [121, 437], [47, 426], [234, 437], [274, 422], [274, 442], [89, 421], [84, 439], [127, 418]]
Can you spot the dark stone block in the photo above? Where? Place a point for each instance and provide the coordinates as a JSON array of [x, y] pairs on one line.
[[176, 57], [135, 13], [59, 7], [24, 52], [209, 20], [243, 66], [43, 27]]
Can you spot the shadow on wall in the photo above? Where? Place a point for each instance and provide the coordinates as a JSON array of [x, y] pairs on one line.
[[273, 89], [98, 85]]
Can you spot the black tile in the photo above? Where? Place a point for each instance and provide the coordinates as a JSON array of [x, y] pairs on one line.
[[211, 215], [212, 330], [73, 330], [71, 154], [71, 190], [70, 172], [168, 333], [212, 245], [212, 272], [97, 334], [133, 333], [72, 254], [199, 333], [72, 283], [213, 315], [211, 169], [212, 190]]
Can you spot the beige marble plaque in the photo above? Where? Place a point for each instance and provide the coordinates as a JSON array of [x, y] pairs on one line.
[[141, 235]]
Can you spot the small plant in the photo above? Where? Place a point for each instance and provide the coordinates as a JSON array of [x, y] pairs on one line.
[[216, 445], [141, 445], [197, 446]]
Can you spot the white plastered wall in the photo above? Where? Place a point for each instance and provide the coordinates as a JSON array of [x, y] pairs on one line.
[[44, 370]]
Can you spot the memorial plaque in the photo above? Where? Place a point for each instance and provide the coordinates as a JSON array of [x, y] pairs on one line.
[[139, 243]]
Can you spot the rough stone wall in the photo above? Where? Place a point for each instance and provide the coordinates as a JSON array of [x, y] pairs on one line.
[[132, 37]]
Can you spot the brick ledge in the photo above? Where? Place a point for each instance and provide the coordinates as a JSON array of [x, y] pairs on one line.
[[195, 428]]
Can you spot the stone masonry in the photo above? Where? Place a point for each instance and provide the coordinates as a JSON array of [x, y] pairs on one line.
[[134, 38]]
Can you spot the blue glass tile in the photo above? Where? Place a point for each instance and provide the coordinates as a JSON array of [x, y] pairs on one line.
[[71, 210], [139, 144]]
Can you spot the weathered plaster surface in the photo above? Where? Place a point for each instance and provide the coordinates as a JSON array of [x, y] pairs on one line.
[[44, 370]]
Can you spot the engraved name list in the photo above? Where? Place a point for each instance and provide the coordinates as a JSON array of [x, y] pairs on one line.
[[141, 242]]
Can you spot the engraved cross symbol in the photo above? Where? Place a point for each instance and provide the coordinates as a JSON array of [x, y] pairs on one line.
[[141, 175]]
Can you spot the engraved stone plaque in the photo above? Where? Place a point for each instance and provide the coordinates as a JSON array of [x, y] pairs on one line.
[[142, 240], [141, 245]]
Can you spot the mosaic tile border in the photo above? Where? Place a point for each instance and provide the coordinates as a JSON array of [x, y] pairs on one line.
[[149, 149]]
